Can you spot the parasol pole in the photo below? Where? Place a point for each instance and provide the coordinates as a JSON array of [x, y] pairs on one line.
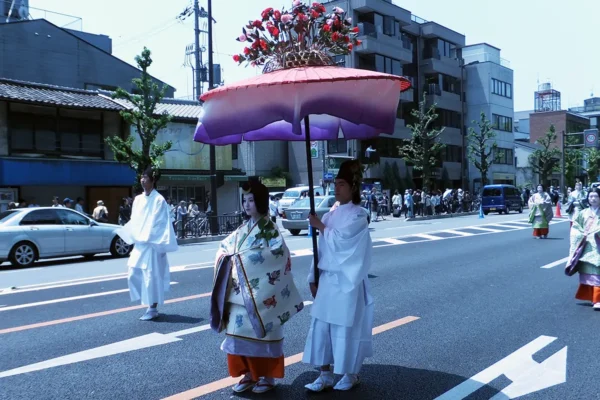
[[311, 195]]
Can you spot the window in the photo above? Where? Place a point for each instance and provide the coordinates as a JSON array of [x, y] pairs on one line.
[[502, 123], [446, 49], [503, 156], [6, 215], [41, 217], [450, 119], [234, 151], [33, 133], [388, 65], [337, 146], [72, 218], [452, 153], [388, 25], [492, 192], [501, 88]]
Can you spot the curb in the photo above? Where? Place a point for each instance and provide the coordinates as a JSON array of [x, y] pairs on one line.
[[205, 239], [445, 216]]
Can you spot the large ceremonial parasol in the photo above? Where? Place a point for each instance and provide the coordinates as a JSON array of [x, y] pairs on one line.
[[302, 95]]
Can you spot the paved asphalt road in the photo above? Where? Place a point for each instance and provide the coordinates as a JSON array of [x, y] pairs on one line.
[[453, 299]]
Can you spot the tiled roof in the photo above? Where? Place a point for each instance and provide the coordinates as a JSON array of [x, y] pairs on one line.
[[186, 109], [54, 95]]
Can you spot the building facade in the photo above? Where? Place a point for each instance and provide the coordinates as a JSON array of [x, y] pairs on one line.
[[489, 90]]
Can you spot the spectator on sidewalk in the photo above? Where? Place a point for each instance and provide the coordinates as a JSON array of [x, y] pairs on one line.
[[100, 213], [124, 211], [182, 215], [79, 205]]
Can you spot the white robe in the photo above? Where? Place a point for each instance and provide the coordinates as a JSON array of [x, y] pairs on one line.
[[151, 232], [342, 313]]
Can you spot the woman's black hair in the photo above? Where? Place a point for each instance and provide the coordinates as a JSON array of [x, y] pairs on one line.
[[261, 195], [593, 190]]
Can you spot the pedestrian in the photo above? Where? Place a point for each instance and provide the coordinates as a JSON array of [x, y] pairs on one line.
[[342, 313], [583, 254], [575, 202], [182, 215], [274, 208], [540, 213], [55, 202], [67, 203], [151, 233], [124, 211], [100, 213], [374, 204], [254, 295], [12, 206], [409, 203], [397, 203], [79, 205]]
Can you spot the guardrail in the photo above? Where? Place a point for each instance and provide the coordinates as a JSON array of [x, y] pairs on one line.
[[203, 225]]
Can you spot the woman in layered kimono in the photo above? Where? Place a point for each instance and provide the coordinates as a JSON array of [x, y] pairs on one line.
[[342, 313], [540, 214], [575, 205], [584, 254], [254, 295]]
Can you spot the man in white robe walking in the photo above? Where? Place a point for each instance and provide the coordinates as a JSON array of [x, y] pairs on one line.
[[342, 313], [151, 232]]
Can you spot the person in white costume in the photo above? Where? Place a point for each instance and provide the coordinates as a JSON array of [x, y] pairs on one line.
[[151, 232], [342, 312]]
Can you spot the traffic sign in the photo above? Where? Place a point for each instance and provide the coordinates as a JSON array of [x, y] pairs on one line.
[[328, 176], [591, 137]]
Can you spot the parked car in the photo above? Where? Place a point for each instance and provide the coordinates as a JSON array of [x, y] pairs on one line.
[[295, 218], [292, 194], [501, 198], [30, 234]]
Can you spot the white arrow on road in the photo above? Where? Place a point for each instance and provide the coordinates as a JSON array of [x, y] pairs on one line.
[[136, 343], [527, 375]]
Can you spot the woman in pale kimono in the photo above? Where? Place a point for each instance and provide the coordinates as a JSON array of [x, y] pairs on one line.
[[540, 214], [584, 253], [342, 312], [574, 205], [254, 295]]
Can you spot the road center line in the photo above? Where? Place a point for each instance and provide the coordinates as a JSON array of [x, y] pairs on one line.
[[94, 315], [296, 358], [65, 299], [555, 263]]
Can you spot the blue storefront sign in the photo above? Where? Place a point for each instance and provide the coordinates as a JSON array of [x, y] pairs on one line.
[[29, 172]]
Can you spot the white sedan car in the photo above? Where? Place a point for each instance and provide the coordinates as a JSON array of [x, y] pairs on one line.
[[30, 234]]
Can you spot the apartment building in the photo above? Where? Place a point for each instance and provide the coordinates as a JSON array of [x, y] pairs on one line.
[[489, 89]]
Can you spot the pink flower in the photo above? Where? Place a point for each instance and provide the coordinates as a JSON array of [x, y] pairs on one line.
[[338, 10], [296, 3], [285, 18], [329, 22], [349, 20], [242, 38], [302, 17]]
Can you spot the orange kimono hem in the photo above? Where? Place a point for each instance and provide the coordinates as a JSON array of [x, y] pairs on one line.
[[588, 293], [537, 232], [257, 366]]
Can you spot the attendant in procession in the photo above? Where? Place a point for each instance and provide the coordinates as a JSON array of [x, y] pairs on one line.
[[151, 232], [584, 253], [254, 295], [541, 213], [575, 203], [342, 313]]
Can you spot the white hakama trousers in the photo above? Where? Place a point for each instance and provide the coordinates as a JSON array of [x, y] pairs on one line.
[[344, 347], [149, 277]]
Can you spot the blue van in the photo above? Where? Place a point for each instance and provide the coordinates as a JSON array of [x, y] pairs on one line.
[[501, 198]]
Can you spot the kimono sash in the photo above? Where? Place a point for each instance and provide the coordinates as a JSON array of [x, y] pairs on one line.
[[254, 273]]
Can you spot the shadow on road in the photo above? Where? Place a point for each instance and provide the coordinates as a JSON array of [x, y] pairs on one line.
[[59, 261], [177, 319], [378, 382]]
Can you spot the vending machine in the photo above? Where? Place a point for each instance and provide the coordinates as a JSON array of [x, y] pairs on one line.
[[7, 196]]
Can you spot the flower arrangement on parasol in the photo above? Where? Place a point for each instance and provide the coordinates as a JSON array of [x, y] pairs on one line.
[[302, 95], [302, 36]]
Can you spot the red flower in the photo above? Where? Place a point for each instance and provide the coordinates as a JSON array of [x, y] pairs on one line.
[[358, 42], [350, 46], [247, 50], [255, 44], [302, 17], [355, 29], [236, 58], [277, 15], [319, 7], [346, 39], [335, 36], [263, 44], [265, 14], [257, 24], [314, 14], [273, 30], [326, 28]]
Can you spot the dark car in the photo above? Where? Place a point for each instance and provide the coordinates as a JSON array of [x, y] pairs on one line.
[[501, 198]]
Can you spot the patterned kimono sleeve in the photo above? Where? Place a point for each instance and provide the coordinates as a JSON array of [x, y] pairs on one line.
[[576, 233]]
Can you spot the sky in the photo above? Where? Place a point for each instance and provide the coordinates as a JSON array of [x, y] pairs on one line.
[[546, 41]]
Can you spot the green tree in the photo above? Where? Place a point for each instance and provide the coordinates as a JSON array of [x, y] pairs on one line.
[[482, 147], [546, 160], [424, 146], [572, 161], [142, 116], [592, 159]]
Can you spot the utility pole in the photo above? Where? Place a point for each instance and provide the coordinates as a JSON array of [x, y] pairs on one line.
[[198, 75], [214, 226]]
